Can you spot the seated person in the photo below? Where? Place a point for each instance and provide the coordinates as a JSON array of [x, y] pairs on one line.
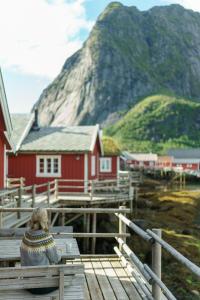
[[38, 246]]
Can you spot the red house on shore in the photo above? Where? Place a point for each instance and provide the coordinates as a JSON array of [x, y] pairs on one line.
[[5, 133], [140, 160], [46, 153], [185, 159]]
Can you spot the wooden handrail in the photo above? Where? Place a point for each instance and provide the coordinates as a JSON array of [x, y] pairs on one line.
[[176, 254]]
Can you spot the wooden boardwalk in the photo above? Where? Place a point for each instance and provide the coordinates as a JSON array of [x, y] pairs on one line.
[[14, 220], [107, 279]]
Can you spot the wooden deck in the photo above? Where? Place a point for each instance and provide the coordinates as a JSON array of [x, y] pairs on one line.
[[12, 220], [107, 279]]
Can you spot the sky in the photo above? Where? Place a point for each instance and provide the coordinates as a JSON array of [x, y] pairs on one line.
[[37, 36]]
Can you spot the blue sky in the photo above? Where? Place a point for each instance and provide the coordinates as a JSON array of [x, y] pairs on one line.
[[37, 36]]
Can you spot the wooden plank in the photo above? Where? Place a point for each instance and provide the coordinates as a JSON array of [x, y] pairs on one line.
[[92, 282], [114, 281], [136, 285], [104, 283], [125, 280], [86, 290]]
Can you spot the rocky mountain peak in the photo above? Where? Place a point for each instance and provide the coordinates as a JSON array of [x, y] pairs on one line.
[[128, 55]]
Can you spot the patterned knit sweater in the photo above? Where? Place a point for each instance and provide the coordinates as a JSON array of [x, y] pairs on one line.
[[38, 248]]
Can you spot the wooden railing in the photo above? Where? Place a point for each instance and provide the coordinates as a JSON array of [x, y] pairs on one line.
[[113, 191], [15, 182], [148, 279]]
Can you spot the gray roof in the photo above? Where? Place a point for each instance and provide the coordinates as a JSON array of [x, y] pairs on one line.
[[140, 156], [20, 123], [65, 139], [184, 153]]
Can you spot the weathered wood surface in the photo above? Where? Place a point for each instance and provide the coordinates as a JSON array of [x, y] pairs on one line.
[[15, 281], [107, 279], [10, 249], [12, 220], [14, 233]]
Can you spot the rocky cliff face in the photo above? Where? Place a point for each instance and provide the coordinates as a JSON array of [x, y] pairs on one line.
[[129, 54]]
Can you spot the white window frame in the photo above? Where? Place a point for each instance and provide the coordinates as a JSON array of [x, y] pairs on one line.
[[109, 160], [45, 173], [93, 165]]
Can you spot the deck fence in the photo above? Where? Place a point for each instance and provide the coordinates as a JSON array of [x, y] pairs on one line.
[[148, 279]]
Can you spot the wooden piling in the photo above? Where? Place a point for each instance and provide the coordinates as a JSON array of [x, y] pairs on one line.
[[156, 265], [33, 195], [88, 231], [48, 193], [94, 227], [1, 219], [122, 228], [19, 201]]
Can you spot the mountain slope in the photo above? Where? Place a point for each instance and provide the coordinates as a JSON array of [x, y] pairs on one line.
[[157, 123], [129, 55]]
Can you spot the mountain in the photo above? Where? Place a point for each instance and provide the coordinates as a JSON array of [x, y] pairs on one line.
[[129, 55], [157, 123]]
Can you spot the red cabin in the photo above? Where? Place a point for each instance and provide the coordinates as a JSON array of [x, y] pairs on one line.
[[47, 153], [5, 133]]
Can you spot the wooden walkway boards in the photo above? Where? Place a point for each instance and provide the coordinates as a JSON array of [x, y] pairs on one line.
[[107, 279], [12, 220]]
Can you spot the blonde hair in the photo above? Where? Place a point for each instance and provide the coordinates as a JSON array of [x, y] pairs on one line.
[[39, 219]]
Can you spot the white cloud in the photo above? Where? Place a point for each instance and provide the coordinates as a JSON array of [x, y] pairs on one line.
[[191, 4], [36, 36]]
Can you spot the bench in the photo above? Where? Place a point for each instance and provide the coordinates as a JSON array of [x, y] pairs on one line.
[[14, 282]]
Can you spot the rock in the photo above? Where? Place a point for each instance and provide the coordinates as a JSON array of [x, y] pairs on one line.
[[128, 55], [166, 208], [187, 231], [196, 293]]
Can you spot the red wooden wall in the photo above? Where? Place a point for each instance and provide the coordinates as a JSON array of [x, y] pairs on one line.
[[113, 173], [24, 165], [187, 166]]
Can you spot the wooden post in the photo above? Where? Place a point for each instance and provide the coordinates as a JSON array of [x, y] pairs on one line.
[[49, 217], [85, 230], [33, 195], [61, 285], [88, 231], [1, 219], [48, 193], [19, 201], [91, 189], [122, 228], [94, 227], [21, 181], [131, 196], [156, 265], [56, 188], [63, 219]]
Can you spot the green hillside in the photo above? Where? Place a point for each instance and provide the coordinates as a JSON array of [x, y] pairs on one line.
[[157, 123]]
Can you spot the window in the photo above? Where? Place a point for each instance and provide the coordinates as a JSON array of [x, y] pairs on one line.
[[48, 166], [93, 165], [105, 165]]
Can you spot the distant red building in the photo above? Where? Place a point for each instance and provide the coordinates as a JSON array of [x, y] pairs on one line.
[[5, 133], [185, 159], [140, 160], [164, 162]]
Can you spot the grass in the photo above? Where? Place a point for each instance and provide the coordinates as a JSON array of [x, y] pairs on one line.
[[158, 123], [174, 212]]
